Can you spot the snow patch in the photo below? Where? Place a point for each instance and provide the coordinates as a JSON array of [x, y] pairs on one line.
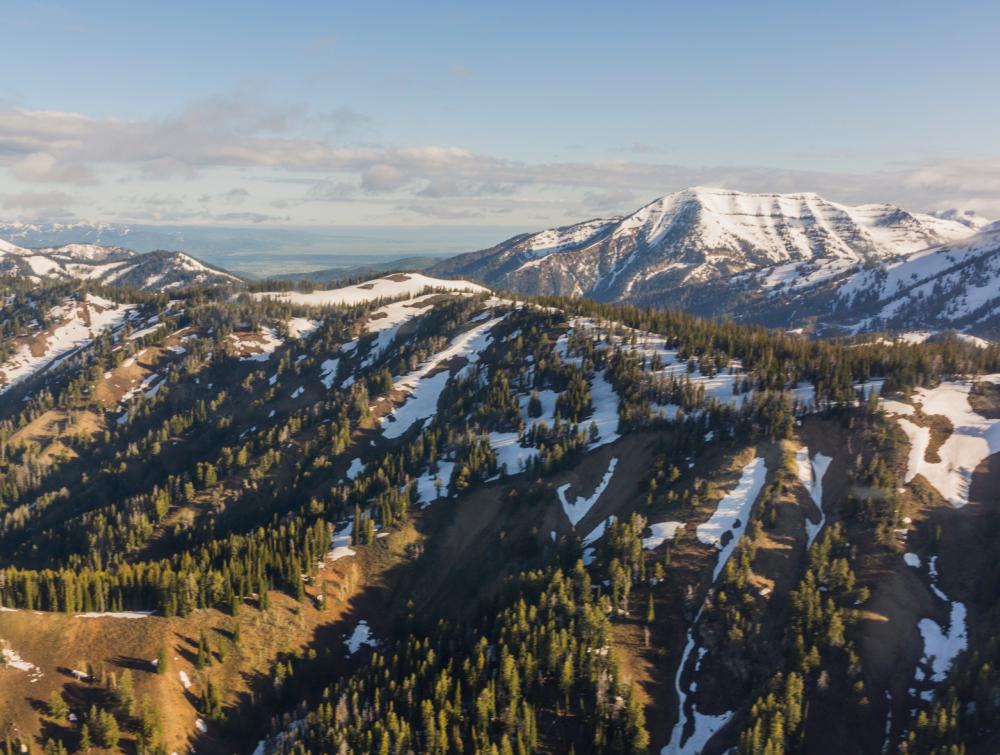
[[733, 512], [661, 532], [811, 476], [359, 637], [578, 509]]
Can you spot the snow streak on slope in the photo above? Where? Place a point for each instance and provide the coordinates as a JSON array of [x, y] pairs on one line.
[[77, 323], [424, 391], [811, 476], [732, 514]]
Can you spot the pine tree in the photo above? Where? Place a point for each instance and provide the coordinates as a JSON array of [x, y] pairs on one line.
[[161, 660], [57, 706]]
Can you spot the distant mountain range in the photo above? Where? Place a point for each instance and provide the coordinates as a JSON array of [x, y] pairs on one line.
[[110, 265], [786, 260], [260, 251]]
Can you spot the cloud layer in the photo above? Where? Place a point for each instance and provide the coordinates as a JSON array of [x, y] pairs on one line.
[[246, 159]]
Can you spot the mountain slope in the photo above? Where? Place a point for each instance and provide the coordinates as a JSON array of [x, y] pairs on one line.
[[954, 285], [116, 266], [386, 515], [712, 251]]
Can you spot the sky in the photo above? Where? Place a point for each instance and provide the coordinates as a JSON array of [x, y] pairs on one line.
[[517, 114]]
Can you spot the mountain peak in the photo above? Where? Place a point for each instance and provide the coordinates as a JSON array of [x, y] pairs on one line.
[[683, 243]]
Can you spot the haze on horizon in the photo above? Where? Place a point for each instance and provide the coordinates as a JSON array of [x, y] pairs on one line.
[[521, 115]]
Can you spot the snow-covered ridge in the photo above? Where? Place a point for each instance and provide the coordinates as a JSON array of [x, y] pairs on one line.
[[391, 287], [109, 265]]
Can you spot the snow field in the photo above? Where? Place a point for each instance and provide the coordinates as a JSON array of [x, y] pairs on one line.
[[733, 512]]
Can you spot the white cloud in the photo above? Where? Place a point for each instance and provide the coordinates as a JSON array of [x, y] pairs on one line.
[[37, 200], [43, 167], [268, 151]]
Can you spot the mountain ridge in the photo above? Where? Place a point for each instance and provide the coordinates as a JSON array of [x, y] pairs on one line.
[[110, 265], [713, 241]]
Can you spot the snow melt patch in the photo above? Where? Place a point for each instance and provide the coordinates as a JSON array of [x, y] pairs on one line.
[[359, 637], [941, 646], [357, 466], [605, 415], [328, 372], [258, 347], [972, 439], [341, 546], [427, 484], [12, 659], [661, 532], [302, 327], [578, 509], [733, 513], [704, 726], [811, 476]]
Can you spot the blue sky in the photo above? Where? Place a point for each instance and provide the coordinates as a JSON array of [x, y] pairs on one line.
[[511, 114]]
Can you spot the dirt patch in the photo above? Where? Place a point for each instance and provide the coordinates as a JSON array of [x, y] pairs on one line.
[[38, 343], [398, 277], [112, 388], [941, 429], [50, 431]]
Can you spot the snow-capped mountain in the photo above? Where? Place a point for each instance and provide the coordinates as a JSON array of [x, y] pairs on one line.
[[774, 258], [699, 234], [109, 265], [46, 234]]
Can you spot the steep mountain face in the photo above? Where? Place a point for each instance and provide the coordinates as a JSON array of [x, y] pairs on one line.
[[114, 266], [712, 251]]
